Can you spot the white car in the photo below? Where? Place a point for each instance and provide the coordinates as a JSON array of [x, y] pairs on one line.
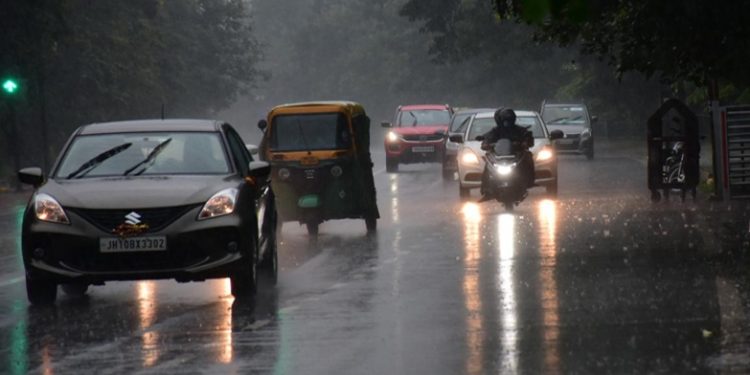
[[471, 156]]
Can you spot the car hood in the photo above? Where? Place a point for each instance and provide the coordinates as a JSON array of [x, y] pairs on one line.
[[136, 192], [568, 129], [476, 146], [421, 130]]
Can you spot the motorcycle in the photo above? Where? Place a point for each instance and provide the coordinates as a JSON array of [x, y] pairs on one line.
[[505, 182]]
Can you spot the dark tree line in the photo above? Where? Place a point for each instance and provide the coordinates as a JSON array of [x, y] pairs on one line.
[[84, 61]]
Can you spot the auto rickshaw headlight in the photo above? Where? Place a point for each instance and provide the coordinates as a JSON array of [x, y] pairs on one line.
[[284, 173], [336, 171]]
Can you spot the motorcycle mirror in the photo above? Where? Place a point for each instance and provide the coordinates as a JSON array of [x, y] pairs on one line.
[[456, 138], [479, 138], [262, 124]]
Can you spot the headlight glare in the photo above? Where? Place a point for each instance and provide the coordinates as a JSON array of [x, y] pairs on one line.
[[220, 204], [504, 170], [47, 209], [392, 137], [469, 158], [544, 154]]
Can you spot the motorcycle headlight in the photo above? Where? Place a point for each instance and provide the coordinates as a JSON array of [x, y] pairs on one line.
[[544, 154], [47, 209], [469, 158], [220, 204], [392, 137], [504, 170]]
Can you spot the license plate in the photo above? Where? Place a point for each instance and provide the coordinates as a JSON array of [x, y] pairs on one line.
[[565, 142], [132, 244], [423, 149]]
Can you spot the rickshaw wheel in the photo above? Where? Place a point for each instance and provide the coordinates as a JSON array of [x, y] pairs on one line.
[[371, 223], [312, 228]]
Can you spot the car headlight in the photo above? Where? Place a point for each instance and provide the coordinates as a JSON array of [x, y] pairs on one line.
[[392, 137], [469, 158], [544, 154], [220, 204], [586, 133], [284, 174], [47, 209], [504, 170]]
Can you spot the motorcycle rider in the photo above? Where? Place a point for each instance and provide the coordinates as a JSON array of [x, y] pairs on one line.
[[521, 139]]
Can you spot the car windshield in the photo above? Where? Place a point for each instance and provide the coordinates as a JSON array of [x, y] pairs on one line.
[[423, 118], [318, 131], [459, 122], [483, 125], [105, 155], [564, 115]]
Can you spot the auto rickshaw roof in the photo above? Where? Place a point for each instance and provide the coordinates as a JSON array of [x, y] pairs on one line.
[[318, 107]]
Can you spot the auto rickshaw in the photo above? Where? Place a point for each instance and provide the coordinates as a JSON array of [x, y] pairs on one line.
[[320, 162]]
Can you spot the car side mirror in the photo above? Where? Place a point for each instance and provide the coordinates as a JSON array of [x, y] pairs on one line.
[[594, 119], [556, 134], [386, 124], [259, 169], [456, 138], [252, 149], [479, 138], [262, 124], [32, 176]]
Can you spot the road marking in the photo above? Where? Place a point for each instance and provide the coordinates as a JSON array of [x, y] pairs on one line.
[[11, 281]]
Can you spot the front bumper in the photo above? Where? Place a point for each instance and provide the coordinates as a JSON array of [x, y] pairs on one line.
[[545, 173], [408, 152], [196, 250], [575, 145]]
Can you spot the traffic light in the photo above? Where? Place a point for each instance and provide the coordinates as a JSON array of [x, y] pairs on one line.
[[10, 86]]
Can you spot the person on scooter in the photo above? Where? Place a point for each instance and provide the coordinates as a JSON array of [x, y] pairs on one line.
[[521, 139]]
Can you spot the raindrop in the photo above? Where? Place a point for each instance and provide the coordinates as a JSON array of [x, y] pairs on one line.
[[606, 233]]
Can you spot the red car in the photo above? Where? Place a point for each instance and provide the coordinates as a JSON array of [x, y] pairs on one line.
[[417, 135]]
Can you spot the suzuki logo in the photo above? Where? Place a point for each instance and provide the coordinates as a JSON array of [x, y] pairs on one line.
[[133, 218]]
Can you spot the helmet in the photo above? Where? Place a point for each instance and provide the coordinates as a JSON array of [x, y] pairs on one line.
[[505, 117]]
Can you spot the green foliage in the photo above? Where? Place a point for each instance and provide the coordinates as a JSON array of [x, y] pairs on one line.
[[693, 40], [86, 61]]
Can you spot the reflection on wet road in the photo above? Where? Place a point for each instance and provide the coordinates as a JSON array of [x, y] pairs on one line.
[[597, 280]]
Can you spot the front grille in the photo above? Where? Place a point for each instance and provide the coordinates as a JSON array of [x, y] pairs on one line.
[[156, 218], [572, 136], [422, 137]]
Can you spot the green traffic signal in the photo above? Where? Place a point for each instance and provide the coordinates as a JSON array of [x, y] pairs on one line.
[[10, 86]]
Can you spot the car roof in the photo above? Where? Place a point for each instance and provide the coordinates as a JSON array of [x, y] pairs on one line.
[[189, 125], [417, 107], [564, 104], [519, 113], [474, 110]]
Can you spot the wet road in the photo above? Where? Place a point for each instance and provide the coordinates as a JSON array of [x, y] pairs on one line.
[[597, 281]]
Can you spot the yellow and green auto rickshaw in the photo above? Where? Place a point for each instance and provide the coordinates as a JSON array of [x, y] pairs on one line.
[[320, 162]]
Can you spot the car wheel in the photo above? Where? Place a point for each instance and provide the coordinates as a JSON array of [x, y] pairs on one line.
[[372, 224], [40, 292], [552, 188], [312, 228], [463, 192], [243, 281], [391, 165], [269, 267], [75, 289]]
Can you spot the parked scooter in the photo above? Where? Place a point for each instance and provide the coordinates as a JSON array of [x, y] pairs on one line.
[[505, 180]]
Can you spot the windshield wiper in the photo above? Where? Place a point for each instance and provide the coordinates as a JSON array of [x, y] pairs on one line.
[[88, 166], [557, 120], [415, 119], [149, 158], [302, 134]]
